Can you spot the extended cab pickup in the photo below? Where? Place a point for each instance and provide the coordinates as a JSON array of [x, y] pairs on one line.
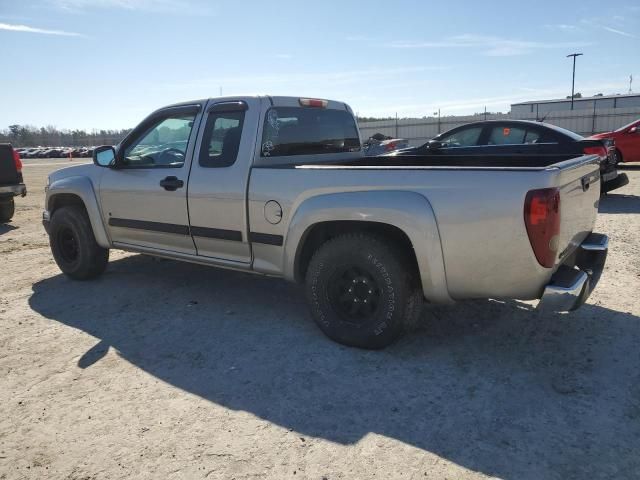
[[11, 183], [280, 186]]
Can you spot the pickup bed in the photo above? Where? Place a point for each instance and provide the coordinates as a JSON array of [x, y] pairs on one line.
[[11, 183], [279, 186]]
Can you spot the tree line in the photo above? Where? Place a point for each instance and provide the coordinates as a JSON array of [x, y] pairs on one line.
[[50, 136]]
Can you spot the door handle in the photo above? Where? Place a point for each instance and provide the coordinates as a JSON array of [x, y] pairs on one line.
[[171, 183]]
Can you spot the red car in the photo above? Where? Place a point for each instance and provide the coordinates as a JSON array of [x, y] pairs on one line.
[[627, 141]]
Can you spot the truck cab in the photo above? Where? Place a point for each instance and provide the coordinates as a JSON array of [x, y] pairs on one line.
[[182, 175]]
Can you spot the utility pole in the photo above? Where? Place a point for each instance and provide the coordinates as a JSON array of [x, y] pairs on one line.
[[630, 82], [573, 78]]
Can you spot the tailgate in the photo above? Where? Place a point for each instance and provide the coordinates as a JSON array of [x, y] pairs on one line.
[[8, 172], [579, 183]]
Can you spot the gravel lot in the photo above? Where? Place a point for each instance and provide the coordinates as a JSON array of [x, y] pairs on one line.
[[168, 370]]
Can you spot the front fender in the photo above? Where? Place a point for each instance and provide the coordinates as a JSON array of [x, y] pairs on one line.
[[83, 188], [408, 211]]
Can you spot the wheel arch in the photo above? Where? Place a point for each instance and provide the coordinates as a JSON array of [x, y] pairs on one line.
[[78, 191], [405, 218], [319, 233]]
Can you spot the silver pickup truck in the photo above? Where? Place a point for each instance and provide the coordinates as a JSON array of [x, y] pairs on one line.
[[279, 186]]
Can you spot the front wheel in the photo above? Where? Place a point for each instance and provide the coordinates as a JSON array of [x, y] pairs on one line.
[[7, 209], [362, 292], [74, 246]]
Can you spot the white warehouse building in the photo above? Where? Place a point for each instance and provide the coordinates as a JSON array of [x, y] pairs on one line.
[[540, 108]]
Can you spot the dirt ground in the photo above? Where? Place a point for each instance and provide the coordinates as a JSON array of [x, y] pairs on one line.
[[167, 370]]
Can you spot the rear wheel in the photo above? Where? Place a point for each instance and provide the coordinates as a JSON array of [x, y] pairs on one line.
[[7, 209], [361, 292], [617, 157], [74, 246]]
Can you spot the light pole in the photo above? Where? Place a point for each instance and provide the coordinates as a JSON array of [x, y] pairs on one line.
[[573, 78]]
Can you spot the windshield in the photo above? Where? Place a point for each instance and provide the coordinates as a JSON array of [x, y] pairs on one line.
[[164, 144]]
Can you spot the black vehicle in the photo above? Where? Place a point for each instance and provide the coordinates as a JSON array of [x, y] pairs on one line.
[[11, 183], [55, 153], [522, 138]]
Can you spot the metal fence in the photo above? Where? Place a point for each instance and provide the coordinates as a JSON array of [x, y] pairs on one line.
[[419, 130]]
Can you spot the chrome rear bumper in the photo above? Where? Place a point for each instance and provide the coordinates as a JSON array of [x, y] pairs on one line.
[[575, 279]]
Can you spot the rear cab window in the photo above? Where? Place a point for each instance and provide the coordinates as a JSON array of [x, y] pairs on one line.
[[290, 131]]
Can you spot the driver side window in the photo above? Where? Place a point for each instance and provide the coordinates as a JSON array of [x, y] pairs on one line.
[[163, 144]]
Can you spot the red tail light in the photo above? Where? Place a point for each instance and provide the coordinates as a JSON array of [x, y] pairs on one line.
[[390, 146], [601, 151], [542, 219], [16, 160]]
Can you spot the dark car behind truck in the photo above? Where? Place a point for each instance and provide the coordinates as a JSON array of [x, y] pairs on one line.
[[11, 182], [519, 141]]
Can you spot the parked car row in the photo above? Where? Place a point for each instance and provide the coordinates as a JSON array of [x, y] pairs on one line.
[[55, 152]]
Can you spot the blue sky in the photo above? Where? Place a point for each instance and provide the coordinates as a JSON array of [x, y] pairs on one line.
[[107, 63]]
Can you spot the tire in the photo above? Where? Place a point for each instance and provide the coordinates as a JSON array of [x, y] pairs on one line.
[[7, 209], [618, 157], [361, 292], [74, 246]]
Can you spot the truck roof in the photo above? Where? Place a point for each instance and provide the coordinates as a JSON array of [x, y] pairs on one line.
[[276, 100]]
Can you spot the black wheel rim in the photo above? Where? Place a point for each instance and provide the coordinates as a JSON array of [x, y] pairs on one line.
[[354, 294], [68, 245]]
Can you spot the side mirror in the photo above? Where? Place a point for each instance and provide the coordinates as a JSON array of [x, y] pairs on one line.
[[434, 144], [633, 130], [104, 156]]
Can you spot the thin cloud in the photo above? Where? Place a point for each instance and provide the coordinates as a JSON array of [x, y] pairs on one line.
[[596, 24], [43, 31], [156, 6], [489, 45], [283, 56], [357, 38], [619, 32], [564, 27], [296, 79]]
